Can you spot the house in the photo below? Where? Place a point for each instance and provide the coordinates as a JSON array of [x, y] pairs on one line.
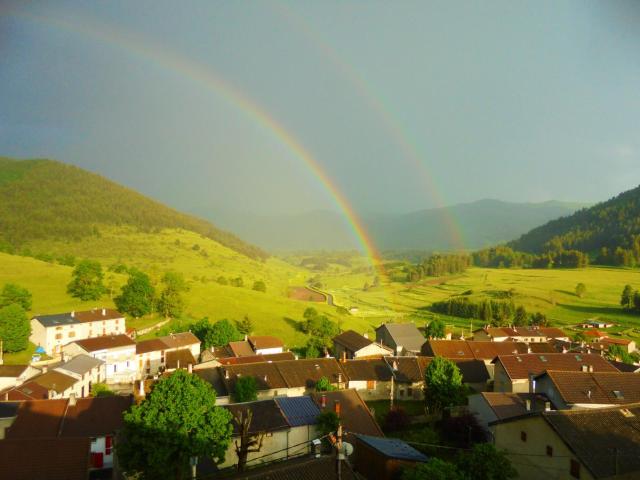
[[519, 334], [351, 344], [45, 458], [51, 384], [371, 378], [597, 324], [489, 407], [628, 345], [403, 338], [52, 332], [118, 352], [157, 354], [95, 419], [355, 416], [408, 376], [573, 444], [384, 458], [514, 372], [86, 370], [588, 389], [14, 375], [265, 345]]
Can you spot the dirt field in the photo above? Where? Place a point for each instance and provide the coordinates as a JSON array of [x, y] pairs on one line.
[[305, 294]]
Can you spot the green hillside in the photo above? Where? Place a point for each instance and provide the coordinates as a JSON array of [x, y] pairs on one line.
[[612, 224], [46, 200]]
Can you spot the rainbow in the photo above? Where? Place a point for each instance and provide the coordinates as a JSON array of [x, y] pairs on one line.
[[384, 113], [207, 77]]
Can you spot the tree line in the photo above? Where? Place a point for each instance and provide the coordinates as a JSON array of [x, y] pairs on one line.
[[505, 257], [436, 266], [494, 312]]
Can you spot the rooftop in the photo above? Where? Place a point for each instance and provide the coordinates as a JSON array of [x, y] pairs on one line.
[[608, 388], [406, 335], [179, 358], [298, 410], [352, 340], [241, 349], [369, 369], [265, 341], [272, 357], [471, 350], [168, 342], [508, 405], [393, 448], [45, 458], [606, 440], [520, 366], [70, 318], [12, 370], [355, 415], [80, 364], [104, 343], [267, 416]]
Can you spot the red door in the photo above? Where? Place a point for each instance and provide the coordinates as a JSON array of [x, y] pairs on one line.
[[97, 460]]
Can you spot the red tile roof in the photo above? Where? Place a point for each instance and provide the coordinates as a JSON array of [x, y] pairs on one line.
[[105, 342], [352, 340], [355, 415], [374, 369], [520, 366], [45, 458], [265, 341], [468, 349], [241, 349], [608, 388], [273, 357]]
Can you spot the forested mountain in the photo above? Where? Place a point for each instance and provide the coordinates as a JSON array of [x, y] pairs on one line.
[[476, 225], [45, 199], [606, 230]]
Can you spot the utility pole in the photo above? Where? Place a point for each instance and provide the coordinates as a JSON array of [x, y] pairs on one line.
[[339, 453], [391, 394]]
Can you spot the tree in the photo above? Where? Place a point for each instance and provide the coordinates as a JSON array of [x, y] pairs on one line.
[[443, 384], [581, 289], [101, 390], [327, 422], [245, 390], [435, 329], [259, 286], [12, 293], [178, 420], [171, 301], [222, 280], [434, 469], [539, 319], [324, 385], [86, 281], [137, 297], [626, 299], [15, 328], [485, 462], [616, 352], [636, 301], [249, 443], [520, 316], [313, 348], [245, 326], [215, 335]]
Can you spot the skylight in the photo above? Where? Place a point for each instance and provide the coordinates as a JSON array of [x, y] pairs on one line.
[[543, 358], [578, 358], [618, 394]]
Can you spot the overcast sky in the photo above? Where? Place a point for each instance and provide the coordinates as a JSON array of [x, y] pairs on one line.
[[404, 105]]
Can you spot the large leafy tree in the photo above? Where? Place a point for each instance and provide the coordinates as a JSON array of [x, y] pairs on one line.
[[14, 328], [171, 302], [138, 295], [443, 384], [177, 421], [245, 326], [86, 281], [215, 334], [12, 293], [626, 299]]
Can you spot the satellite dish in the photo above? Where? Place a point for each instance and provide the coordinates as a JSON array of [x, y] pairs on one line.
[[347, 448]]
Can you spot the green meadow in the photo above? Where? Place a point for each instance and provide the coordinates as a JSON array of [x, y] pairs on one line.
[[202, 261]]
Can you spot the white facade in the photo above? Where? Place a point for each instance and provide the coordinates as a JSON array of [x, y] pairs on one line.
[[53, 337], [268, 351], [11, 381], [120, 362]]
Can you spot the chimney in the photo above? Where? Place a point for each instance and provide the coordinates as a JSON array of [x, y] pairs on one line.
[[344, 356], [73, 313], [178, 364], [339, 379], [589, 394], [226, 374], [564, 349], [527, 404], [104, 311], [72, 400], [585, 368], [395, 365], [190, 368], [365, 335], [532, 383], [323, 400], [547, 406], [399, 350], [6, 396], [246, 337], [529, 349], [296, 357], [265, 378], [590, 368], [212, 349], [336, 407], [141, 388]]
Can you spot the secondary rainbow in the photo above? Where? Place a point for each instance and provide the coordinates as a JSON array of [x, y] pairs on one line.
[[383, 112], [206, 76]]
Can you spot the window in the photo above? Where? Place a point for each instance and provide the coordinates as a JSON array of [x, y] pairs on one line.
[[58, 336], [402, 392], [71, 334], [523, 436], [409, 392], [371, 384], [549, 451], [574, 469]]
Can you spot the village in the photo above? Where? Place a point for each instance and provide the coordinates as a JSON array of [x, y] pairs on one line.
[[531, 392]]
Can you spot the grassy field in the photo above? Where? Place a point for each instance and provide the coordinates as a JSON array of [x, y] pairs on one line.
[[202, 261]]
